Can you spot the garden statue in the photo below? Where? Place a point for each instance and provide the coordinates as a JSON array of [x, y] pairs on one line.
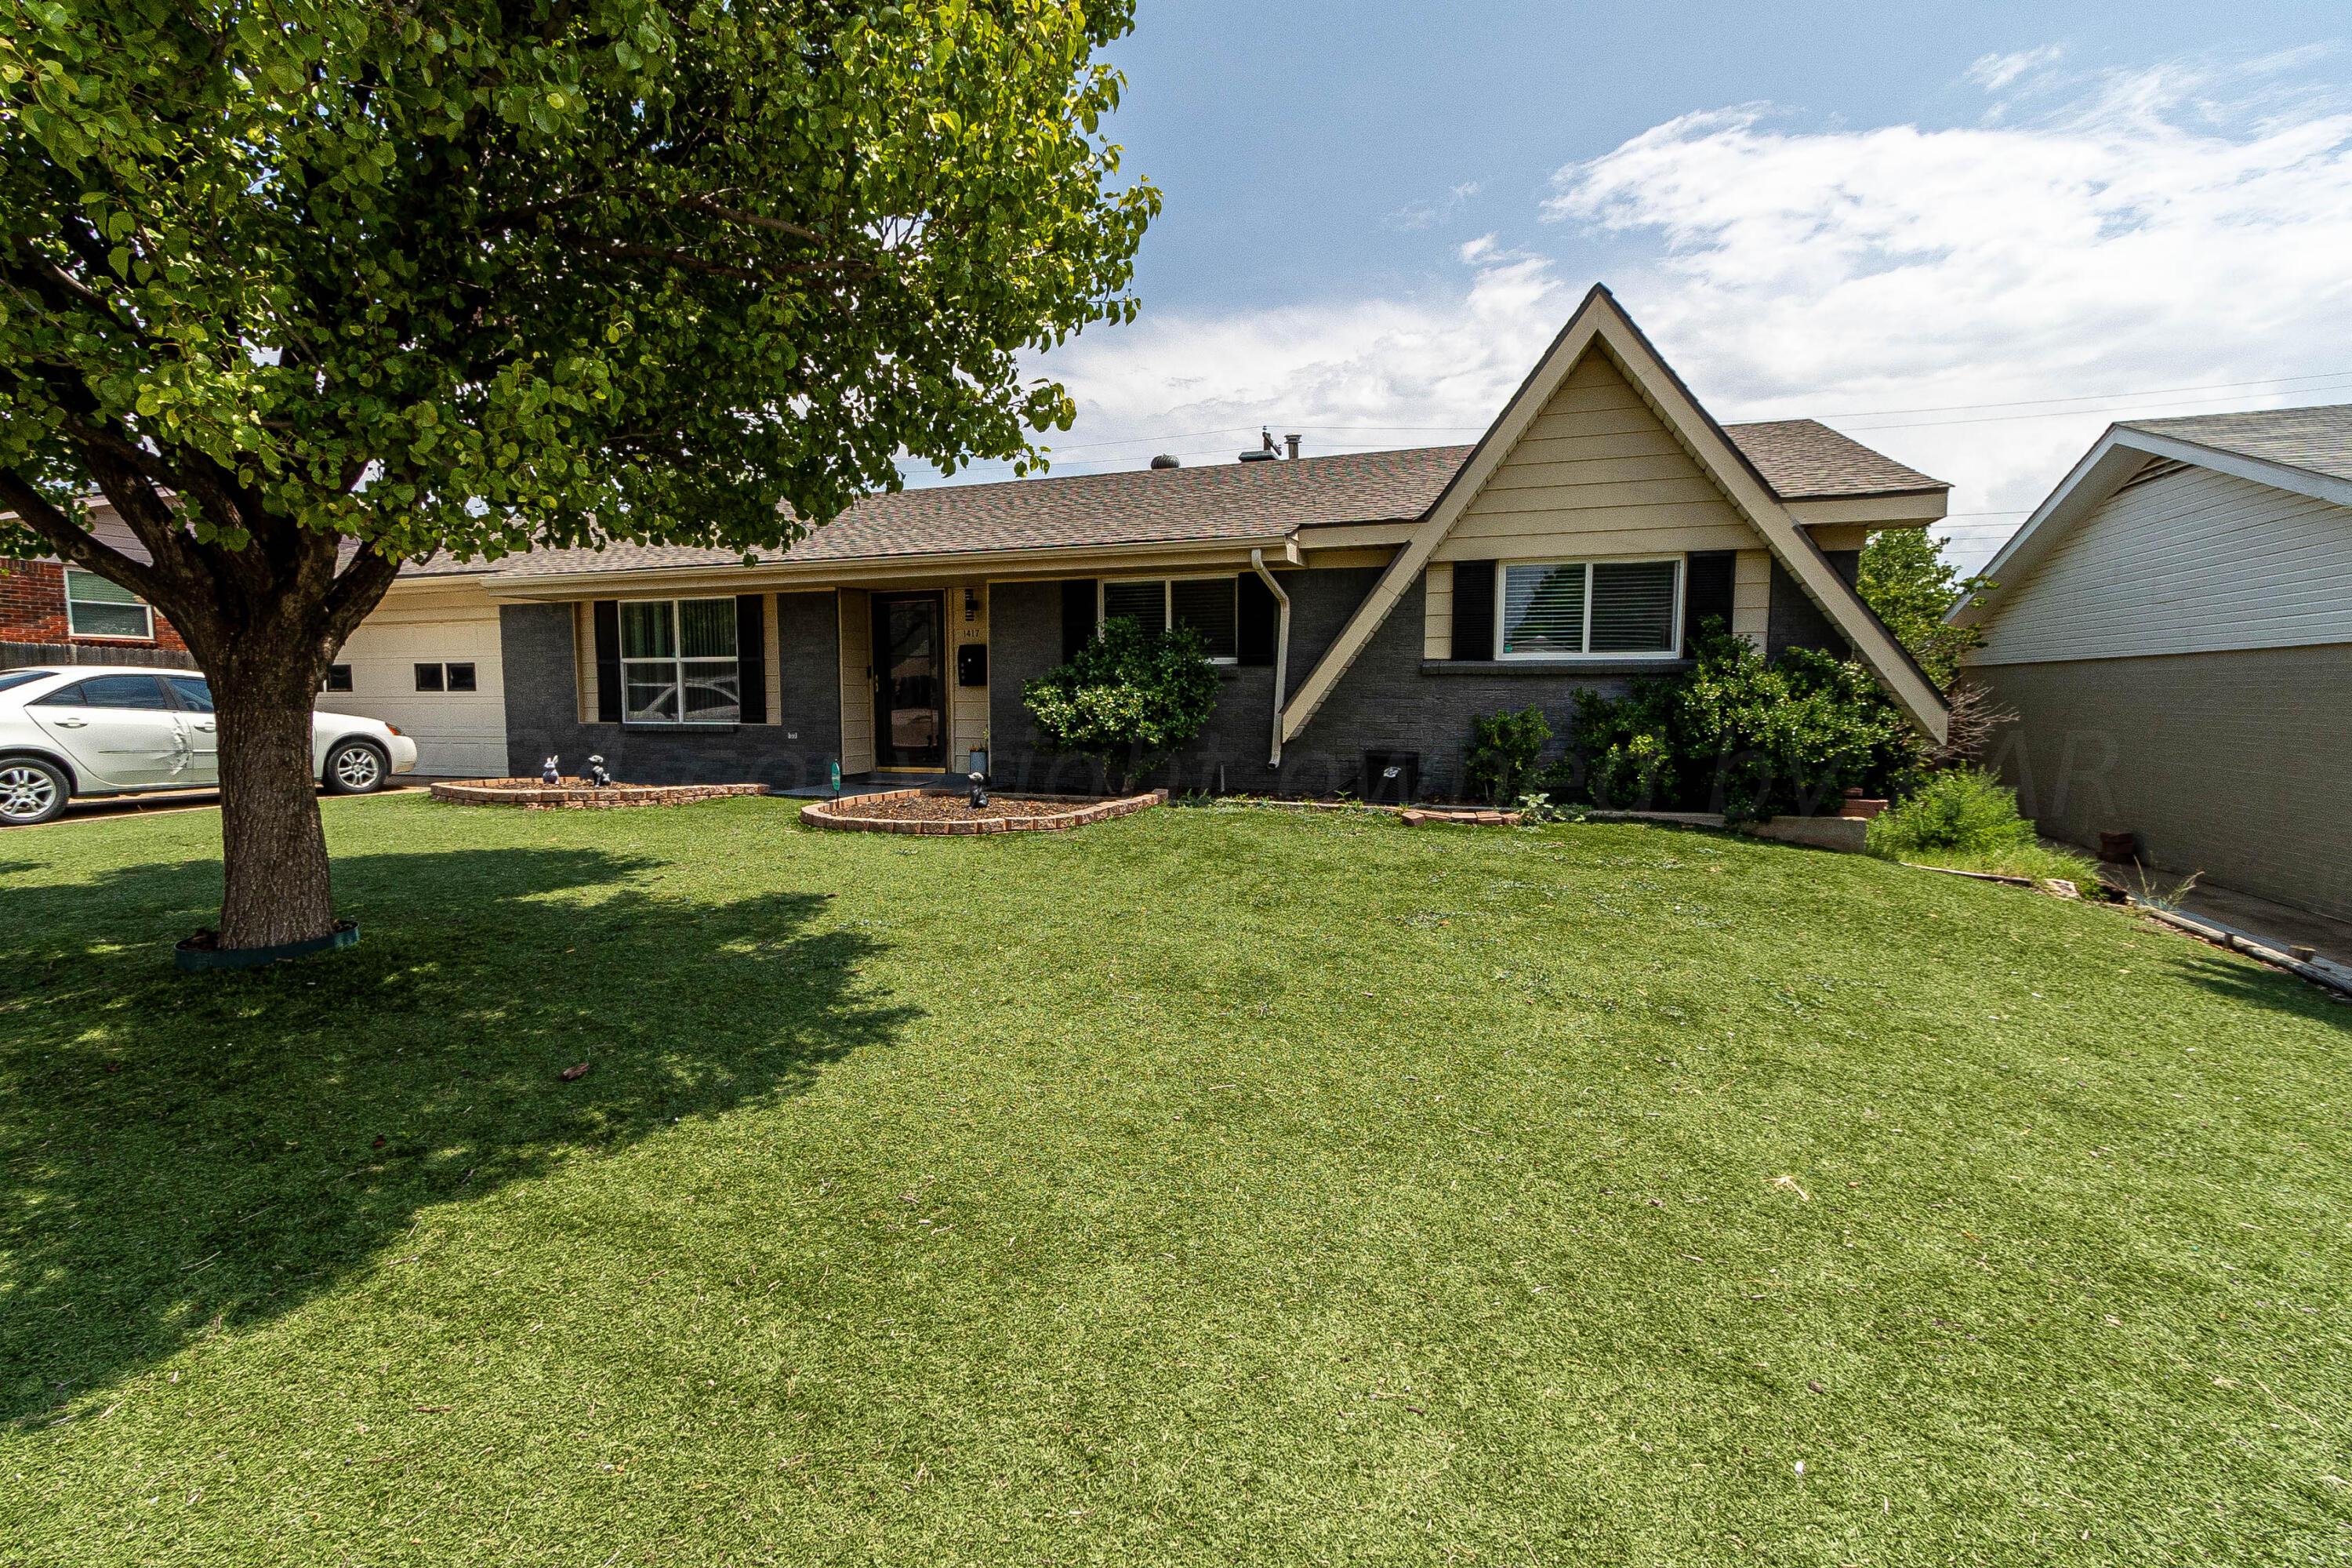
[[597, 777], [549, 772], [979, 789]]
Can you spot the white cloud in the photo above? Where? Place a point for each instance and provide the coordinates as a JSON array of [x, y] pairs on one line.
[[1429, 215], [2136, 240], [1994, 72], [1366, 374], [2166, 229]]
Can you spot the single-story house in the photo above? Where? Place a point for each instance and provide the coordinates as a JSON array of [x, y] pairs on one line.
[[2173, 626], [1361, 607]]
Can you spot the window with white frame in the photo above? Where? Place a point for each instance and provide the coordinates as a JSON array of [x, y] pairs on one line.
[[678, 663], [96, 607], [1589, 609], [1209, 606]]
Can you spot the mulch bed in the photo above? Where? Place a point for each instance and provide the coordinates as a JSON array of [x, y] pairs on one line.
[[947, 812]]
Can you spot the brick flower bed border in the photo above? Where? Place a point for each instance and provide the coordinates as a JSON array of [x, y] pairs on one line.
[[840, 815], [576, 796]]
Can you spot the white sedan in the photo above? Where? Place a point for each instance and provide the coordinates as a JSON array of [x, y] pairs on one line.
[[95, 730]]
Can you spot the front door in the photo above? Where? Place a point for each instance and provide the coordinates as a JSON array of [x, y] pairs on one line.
[[910, 680]]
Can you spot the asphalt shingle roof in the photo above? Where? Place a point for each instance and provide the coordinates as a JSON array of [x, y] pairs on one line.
[[1804, 459], [1798, 458], [2319, 438]]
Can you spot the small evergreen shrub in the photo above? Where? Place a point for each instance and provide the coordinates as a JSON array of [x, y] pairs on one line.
[[1505, 749], [1963, 811], [1127, 700], [1739, 735]]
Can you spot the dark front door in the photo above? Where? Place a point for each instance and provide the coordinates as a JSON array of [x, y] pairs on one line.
[[909, 662]]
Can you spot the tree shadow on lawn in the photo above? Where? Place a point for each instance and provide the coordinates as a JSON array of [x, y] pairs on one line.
[[2254, 984], [181, 1154]]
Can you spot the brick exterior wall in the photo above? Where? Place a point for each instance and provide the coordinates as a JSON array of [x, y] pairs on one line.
[[1391, 700], [543, 709], [33, 618]]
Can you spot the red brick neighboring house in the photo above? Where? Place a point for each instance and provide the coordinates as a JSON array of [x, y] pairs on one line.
[[51, 613]]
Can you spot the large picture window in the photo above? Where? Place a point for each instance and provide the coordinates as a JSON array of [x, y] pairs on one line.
[[1590, 609], [678, 663], [96, 607], [1207, 605]]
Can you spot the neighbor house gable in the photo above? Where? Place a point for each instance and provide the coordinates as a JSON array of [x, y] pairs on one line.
[[2129, 454], [1603, 451]]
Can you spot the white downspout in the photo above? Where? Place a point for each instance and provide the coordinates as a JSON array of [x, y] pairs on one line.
[[1281, 648]]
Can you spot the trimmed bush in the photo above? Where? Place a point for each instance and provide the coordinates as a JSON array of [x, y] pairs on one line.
[[1966, 811], [1505, 749], [1125, 700], [1741, 736]]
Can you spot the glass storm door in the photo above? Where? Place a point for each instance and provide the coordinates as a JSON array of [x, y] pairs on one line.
[[911, 717]]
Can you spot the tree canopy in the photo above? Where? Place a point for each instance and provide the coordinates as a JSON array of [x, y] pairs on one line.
[[1905, 577], [571, 272], [311, 288]]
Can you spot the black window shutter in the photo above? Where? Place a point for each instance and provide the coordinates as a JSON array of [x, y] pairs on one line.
[[1706, 591], [608, 661], [1474, 609], [1258, 616], [751, 655], [1077, 616]]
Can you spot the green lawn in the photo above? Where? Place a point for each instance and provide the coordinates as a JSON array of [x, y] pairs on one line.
[[1218, 1185]]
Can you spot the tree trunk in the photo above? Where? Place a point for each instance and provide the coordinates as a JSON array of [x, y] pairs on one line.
[[273, 847]]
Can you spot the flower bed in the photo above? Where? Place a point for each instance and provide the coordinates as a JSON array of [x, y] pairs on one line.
[[579, 795], [945, 811]]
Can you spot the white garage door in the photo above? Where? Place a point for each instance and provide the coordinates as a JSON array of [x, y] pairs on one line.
[[427, 660]]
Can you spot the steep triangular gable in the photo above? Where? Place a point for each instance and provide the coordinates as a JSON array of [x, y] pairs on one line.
[[1601, 326]]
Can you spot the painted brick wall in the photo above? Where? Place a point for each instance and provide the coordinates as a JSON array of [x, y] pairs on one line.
[[1387, 700], [32, 610], [542, 715]]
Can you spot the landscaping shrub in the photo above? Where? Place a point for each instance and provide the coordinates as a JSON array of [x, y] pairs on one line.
[[1737, 734], [1504, 752], [1964, 810], [1125, 700]]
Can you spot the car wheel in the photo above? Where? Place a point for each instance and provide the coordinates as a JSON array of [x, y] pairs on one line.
[[31, 791], [356, 768]]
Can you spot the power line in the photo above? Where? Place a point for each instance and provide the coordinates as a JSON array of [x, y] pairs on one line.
[[2282, 383], [2091, 396]]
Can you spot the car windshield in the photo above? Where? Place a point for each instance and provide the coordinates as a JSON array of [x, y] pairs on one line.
[[19, 677]]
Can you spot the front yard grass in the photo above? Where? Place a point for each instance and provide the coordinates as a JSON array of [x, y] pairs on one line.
[[1217, 1185]]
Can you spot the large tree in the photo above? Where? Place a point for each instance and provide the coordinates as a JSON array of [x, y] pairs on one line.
[[308, 289]]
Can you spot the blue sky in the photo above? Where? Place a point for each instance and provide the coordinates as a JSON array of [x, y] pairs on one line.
[[1377, 213]]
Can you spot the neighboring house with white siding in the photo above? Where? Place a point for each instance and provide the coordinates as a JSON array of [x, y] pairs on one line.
[[2173, 626]]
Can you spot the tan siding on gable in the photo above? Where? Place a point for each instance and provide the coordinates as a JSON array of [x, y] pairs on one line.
[[1751, 596], [1598, 474], [1437, 613]]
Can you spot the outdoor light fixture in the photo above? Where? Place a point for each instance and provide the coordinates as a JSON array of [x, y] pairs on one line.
[[971, 605]]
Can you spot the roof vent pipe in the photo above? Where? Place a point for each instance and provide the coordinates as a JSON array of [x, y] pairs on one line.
[[1291, 441], [1166, 461]]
